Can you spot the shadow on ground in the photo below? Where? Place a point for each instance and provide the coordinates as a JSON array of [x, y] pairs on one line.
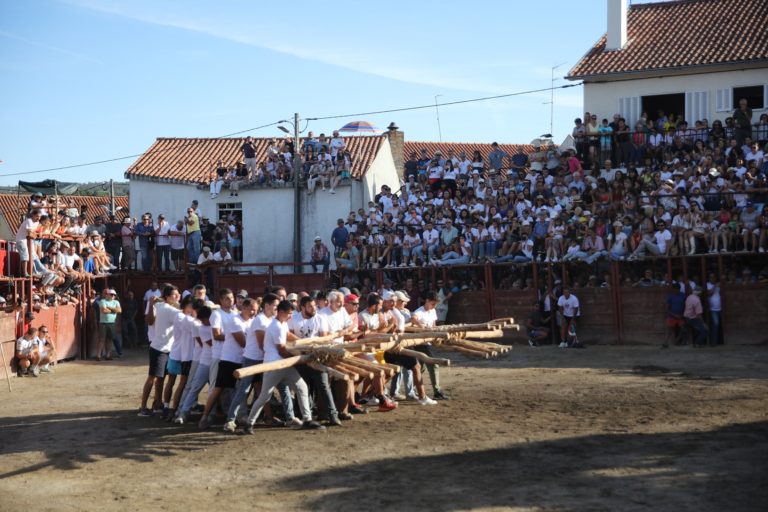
[[725, 469]]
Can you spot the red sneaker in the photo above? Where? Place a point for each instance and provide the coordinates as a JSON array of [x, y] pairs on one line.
[[387, 405]]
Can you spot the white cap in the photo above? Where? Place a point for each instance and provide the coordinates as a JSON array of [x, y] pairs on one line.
[[388, 295]]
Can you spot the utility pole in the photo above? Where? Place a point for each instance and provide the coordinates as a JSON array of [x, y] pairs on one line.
[[112, 197], [299, 268], [437, 111], [552, 100]]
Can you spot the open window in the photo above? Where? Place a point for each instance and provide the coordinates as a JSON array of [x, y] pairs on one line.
[[755, 95], [667, 103]]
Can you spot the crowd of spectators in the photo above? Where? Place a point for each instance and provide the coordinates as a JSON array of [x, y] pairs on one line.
[[661, 190], [323, 161]]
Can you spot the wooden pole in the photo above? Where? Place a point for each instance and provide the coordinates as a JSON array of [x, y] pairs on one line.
[[7, 369], [332, 372], [424, 358], [272, 366]]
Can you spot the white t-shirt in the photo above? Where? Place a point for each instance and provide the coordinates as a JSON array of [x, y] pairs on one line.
[[25, 346], [714, 299], [219, 257], [150, 328], [183, 344], [252, 350], [149, 294], [203, 258], [206, 353], [431, 236], [163, 237], [275, 335], [618, 242], [662, 237], [425, 318], [231, 349], [219, 319], [27, 227], [336, 321], [163, 335], [307, 327], [569, 305], [337, 143]]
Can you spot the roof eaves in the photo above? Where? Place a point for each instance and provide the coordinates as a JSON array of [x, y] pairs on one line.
[[653, 71]]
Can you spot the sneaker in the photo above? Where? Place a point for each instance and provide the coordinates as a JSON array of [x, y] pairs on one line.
[[171, 415], [204, 423], [248, 430], [345, 416], [295, 422], [356, 409], [46, 369], [35, 372], [230, 427], [311, 425], [563, 344], [412, 397], [532, 343], [427, 401], [164, 412], [144, 412], [369, 401], [761, 250], [400, 397], [179, 420], [439, 395], [334, 421], [387, 405]]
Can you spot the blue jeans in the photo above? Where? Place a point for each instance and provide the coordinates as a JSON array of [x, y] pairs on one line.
[[594, 257], [146, 255], [242, 388], [491, 248], [514, 259], [418, 252], [700, 330], [478, 250], [714, 327], [193, 246], [453, 258], [408, 375], [193, 389], [324, 262], [164, 258]]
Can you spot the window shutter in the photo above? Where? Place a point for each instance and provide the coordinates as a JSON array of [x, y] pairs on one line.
[[696, 106], [629, 108], [765, 96], [724, 101]]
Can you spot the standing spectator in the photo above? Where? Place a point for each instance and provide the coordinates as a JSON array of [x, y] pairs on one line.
[[444, 295], [177, 245], [128, 321], [742, 121], [692, 314], [145, 232], [568, 305], [112, 240], [320, 255], [126, 236], [675, 320], [194, 237], [249, 154], [26, 230], [109, 308], [496, 158], [163, 243], [715, 311], [337, 144], [338, 237]]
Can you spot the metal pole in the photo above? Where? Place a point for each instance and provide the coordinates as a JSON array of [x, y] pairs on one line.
[[112, 197], [297, 197], [552, 102], [437, 111]]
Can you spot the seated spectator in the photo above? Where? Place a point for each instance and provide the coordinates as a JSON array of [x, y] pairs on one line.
[[320, 255], [28, 355], [223, 259]]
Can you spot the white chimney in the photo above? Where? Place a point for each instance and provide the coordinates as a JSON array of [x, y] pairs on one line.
[[617, 25]]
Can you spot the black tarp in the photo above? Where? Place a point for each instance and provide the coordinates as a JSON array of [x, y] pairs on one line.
[[49, 187]]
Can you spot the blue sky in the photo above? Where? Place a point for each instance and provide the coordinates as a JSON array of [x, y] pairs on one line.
[[87, 80]]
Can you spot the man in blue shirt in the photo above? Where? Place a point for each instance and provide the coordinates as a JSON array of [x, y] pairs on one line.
[[339, 237], [675, 309], [540, 230], [496, 157]]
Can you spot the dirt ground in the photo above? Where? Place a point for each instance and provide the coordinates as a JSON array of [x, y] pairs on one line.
[[607, 428]]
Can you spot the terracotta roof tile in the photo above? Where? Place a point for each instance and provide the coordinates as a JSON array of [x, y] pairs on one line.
[[470, 147], [14, 207], [683, 33], [190, 160]]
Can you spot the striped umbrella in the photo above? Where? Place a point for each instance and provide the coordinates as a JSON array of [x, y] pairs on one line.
[[359, 127]]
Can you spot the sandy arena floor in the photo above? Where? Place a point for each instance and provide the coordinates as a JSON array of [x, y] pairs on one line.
[[607, 428]]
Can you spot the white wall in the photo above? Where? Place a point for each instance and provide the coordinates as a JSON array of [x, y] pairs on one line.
[[381, 172], [602, 99]]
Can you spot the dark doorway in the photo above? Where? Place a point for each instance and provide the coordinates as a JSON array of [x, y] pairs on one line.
[[669, 103], [753, 94]]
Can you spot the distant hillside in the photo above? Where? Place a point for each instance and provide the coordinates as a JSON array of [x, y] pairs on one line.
[[91, 188]]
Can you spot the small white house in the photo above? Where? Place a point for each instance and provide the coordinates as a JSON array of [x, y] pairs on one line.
[[175, 171], [691, 57]]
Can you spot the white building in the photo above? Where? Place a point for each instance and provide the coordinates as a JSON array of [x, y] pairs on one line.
[[694, 58], [175, 171]]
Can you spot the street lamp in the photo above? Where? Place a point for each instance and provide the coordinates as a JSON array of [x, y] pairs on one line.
[[298, 267]]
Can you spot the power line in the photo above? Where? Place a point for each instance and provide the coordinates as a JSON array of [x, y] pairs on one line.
[[117, 159], [448, 103], [403, 109]]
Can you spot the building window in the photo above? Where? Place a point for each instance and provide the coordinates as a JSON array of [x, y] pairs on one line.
[[755, 95], [232, 212], [665, 104]]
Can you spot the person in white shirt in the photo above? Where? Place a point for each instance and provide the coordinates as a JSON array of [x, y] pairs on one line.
[[219, 320], [161, 312], [275, 339], [431, 238], [568, 305], [27, 230], [199, 375], [223, 258], [180, 357], [28, 354], [659, 246], [163, 243], [715, 310], [337, 144], [426, 317]]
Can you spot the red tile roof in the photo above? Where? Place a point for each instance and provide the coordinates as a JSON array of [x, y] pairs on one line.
[[470, 147], [181, 160], [683, 34], [13, 207]]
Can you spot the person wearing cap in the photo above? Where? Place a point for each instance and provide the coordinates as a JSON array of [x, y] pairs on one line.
[[693, 317], [319, 255], [126, 238], [109, 308]]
